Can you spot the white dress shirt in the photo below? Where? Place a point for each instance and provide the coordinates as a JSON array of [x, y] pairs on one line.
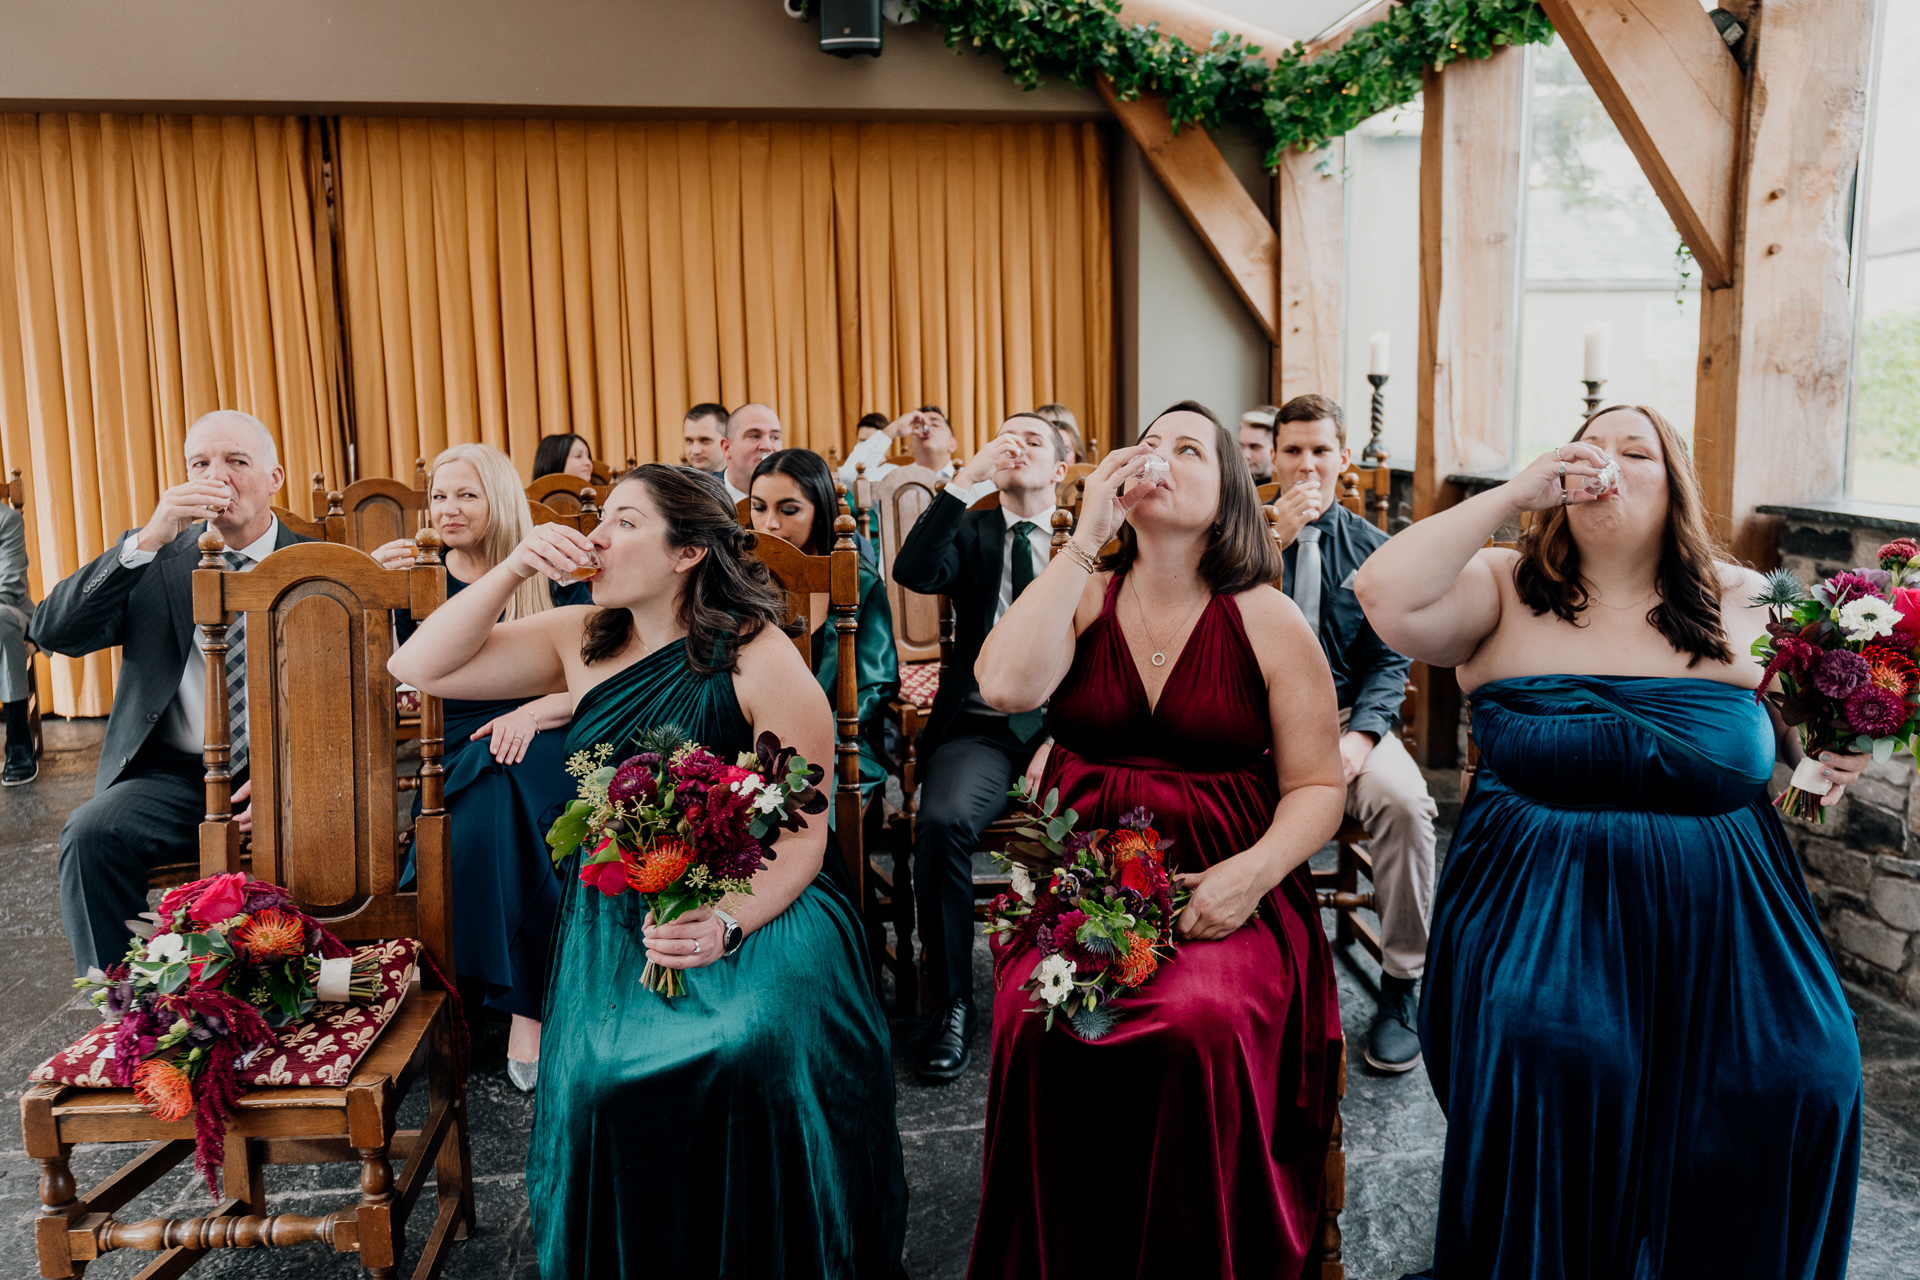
[[733, 495], [1040, 538], [184, 726], [873, 451]]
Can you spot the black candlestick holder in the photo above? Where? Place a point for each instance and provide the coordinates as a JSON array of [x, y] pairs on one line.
[[1375, 454], [1593, 394]]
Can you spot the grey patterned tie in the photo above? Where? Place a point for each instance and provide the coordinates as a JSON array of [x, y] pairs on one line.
[[1306, 576], [237, 673]]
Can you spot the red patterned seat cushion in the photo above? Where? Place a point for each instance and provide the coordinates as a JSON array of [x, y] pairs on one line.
[[919, 682], [319, 1049]]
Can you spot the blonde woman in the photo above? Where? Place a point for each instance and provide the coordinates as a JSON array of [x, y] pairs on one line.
[[506, 775]]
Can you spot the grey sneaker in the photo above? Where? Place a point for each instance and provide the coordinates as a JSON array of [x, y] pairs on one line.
[[1393, 1043]]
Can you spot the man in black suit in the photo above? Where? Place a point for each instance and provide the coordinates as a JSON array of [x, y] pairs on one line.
[[980, 560], [148, 795]]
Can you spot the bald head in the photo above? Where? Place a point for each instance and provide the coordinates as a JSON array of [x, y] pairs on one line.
[[753, 432], [235, 451], [267, 454]]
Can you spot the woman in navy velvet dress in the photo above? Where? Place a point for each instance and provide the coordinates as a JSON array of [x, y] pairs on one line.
[[1631, 1018]]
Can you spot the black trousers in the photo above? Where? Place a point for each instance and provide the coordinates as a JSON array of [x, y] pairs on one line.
[[965, 789], [149, 817]]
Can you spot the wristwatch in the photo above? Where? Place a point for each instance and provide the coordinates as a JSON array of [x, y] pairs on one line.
[[734, 936]]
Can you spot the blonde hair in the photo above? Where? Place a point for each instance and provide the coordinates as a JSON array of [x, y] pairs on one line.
[[509, 518]]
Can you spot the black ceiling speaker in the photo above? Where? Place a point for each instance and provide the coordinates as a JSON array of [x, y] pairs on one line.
[[848, 27]]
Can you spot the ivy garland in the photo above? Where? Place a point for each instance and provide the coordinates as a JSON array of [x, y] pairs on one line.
[[1296, 103]]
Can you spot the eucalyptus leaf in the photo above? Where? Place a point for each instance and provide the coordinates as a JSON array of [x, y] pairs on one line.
[[1883, 749]]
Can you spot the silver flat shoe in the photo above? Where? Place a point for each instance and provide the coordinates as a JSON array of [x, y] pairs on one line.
[[523, 1074]]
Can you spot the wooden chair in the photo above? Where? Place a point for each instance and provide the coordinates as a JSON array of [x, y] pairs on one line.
[[561, 492], [584, 517], [899, 498], [17, 498], [321, 727], [315, 529], [377, 510], [1071, 489], [743, 509], [603, 475]]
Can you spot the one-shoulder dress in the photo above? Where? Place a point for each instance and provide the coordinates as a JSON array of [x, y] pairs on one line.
[[1190, 1140], [1631, 1018], [745, 1128]]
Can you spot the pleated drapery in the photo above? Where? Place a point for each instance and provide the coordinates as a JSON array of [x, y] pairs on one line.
[[506, 279], [152, 268]]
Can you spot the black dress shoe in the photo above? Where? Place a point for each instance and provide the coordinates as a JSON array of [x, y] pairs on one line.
[[943, 1054], [21, 766], [1393, 1044]]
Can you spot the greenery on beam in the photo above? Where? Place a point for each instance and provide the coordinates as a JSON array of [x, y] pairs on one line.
[[1298, 102]]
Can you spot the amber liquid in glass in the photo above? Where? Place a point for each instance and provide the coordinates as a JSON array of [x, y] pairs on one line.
[[582, 572]]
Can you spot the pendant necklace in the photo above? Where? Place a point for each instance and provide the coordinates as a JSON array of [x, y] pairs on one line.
[[1159, 656]]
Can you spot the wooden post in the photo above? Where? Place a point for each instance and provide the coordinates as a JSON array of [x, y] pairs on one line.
[[1309, 208]]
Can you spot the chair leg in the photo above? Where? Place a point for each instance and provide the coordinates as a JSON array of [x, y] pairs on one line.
[[241, 1174], [380, 1242], [58, 1204], [1328, 1248], [1349, 882], [453, 1163]]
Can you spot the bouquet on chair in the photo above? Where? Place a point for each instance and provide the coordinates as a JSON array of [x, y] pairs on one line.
[[680, 825], [1844, 653], [1097, 904], [204, 983]]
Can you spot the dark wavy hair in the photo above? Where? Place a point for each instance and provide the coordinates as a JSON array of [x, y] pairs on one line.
[[1242, 554], [729, 596], [550, 459], [1687, 611], [808, 470]]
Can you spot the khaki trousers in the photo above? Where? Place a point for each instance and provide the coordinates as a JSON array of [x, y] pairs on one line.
[[1389, 798]]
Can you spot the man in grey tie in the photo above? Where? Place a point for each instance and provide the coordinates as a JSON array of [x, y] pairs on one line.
[[1385, 790], [138, 594]]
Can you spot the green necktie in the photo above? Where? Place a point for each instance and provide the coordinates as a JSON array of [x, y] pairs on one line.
[[1025, 724]]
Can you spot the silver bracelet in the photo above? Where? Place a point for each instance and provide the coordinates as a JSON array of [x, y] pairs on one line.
[[1080, 557]]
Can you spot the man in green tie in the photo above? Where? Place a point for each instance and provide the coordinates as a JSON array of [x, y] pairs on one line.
[[980, 557]]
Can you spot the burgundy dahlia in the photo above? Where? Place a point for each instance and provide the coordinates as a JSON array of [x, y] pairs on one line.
[[1840, 672], [1854, 584], [1876, 712], [630, 783]]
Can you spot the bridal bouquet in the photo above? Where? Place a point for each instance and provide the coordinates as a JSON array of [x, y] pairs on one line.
[[1097, 904], [1844, 653], [680, 825], [205, 981]]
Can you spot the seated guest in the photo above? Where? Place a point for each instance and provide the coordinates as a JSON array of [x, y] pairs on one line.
[[1069, 428], [16, 668], [868, 425], [1256, 442], [1176, 679], [745, 1127], [753, 432], [926, 432], [705, 434], [506, 758], [1631, 1017], [1385, 790], [149, 792], [793, 500], [982, 560], [563, 454]]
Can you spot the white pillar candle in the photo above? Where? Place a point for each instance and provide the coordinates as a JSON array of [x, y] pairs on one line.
[[1596, 364], [1377, 365]]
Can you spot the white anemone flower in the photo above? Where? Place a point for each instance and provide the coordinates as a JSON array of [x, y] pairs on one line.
[[1055, 976], [1867, 618], [1021, 883], [167, 947]]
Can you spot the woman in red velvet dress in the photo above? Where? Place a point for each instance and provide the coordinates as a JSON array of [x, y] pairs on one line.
[[1190, 1140]]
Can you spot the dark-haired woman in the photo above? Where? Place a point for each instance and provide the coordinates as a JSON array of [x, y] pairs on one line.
[[563, 455], [1631, 1018], [1176, 677], [792, 498], [746, 1127]]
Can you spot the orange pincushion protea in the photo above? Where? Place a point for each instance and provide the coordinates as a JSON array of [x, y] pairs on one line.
[[163, 1089], [1126, 843], [1137, 965], [272, 935], [659, 865]]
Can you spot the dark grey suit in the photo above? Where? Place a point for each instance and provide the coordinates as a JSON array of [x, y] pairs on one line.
[[147, 797]]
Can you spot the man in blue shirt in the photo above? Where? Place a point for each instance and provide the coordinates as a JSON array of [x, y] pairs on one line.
[[1385, 790]]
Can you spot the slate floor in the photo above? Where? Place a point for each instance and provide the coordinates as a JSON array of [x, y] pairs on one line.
[[1394, 1129]]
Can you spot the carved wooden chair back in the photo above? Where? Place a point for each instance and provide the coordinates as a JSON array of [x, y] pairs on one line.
[[376, 510], [743, 511], [585, 516], [899, 499], [603, 474], [561, 492], [1073, 487]]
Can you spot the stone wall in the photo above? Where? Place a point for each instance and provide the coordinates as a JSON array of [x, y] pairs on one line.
[[1863, 864]]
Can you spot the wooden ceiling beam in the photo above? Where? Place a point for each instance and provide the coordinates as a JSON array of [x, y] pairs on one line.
[[1675, 93], [1200, 181]]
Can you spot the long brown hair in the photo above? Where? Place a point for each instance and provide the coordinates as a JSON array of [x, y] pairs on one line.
[[1687, 611], [1242, 554], [729, 595]]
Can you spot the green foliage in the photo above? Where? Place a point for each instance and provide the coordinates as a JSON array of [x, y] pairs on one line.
[[1297, 102], [1887, 411]]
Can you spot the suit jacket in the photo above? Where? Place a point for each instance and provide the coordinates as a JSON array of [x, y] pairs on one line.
[[148, 612], [957, 553]]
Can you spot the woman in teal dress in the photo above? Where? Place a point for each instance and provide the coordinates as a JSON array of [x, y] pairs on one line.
[[791, 497], [744, 1128], [1630, 1015]]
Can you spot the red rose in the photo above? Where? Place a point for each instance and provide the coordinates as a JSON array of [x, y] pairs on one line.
[[609, 878], [221, 899]]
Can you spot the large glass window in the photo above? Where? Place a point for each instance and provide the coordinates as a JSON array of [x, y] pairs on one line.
[[1884, 451]]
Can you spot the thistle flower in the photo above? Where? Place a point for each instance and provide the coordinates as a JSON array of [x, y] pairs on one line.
[[1840, 672], [1876, 712], [1782, 590], [1091, 1024], [272, 935], [1867, 618], [164, 1090]]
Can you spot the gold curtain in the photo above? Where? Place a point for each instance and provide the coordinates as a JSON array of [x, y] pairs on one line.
[[152, 269], [504, 280]]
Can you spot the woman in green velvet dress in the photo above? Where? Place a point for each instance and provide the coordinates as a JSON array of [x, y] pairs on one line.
[[791, 497], [744, 1128]]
